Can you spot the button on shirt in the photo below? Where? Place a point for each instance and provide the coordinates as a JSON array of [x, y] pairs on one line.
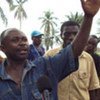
[[56, 68]]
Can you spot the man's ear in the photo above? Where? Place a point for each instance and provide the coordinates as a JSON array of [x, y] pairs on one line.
[[2, 48]]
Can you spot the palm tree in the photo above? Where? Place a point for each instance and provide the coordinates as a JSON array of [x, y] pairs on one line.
[[75, 17], [48, 23], [3, 16], [19, 10]]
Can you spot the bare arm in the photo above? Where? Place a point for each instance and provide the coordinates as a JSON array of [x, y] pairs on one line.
[[90, 8]]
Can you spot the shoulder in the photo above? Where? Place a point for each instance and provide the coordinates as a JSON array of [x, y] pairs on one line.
[[42, 47], [31, 45], [52, 52], [84, 53], [86, 56]]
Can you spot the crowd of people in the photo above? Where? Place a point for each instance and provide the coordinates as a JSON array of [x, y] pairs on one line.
[[79, 84], [72, 68]]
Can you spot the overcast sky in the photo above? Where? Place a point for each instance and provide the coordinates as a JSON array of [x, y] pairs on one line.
[[35, 8]]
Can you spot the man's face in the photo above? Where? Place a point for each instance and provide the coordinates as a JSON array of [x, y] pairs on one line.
[[15, 46], [37, 40], [91, 45], [69, 33]]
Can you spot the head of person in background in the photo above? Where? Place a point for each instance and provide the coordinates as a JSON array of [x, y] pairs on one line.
[[68, 31], [36, 37], [91, 48], [92, 44], [36, 49]]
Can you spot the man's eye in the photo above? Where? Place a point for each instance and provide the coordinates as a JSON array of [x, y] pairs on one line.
[[24, 39], [68, 33]]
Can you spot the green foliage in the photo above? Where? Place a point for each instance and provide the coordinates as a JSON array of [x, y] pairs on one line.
[[48, 23], [19, 10], [10, 2], [75, 17], [3, 17]]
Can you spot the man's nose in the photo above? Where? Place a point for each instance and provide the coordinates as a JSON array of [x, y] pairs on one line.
[[71, 37]]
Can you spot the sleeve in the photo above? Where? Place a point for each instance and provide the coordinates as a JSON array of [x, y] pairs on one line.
[[94, 80], [63, 63]]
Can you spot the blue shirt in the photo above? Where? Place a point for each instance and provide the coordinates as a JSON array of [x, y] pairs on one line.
[[56, 68], [34, 52]]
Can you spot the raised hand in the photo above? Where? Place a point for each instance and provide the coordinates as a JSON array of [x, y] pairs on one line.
[[90, 7]]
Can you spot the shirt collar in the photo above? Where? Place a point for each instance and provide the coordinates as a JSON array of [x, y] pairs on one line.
[[28, 66], [83, 54]]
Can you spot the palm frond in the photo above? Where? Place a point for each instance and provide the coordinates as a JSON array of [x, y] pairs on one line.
[[75, 17], [3, 17]]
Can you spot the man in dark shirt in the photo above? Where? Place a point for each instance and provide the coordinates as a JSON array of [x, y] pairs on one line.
[[91, 49]]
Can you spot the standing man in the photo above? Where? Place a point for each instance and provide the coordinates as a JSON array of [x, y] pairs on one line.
[[36, 49], [91, 49], [79, 84], [18, 76]]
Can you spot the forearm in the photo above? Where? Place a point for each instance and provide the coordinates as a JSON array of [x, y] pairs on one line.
[[82, 37], [90, 8]]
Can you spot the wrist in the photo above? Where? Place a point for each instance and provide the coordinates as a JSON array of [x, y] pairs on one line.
[[88, 16]]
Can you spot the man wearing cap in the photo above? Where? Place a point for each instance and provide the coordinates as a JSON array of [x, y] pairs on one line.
[[35, 49]]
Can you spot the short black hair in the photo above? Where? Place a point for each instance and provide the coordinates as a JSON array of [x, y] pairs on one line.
[[68, 23]]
